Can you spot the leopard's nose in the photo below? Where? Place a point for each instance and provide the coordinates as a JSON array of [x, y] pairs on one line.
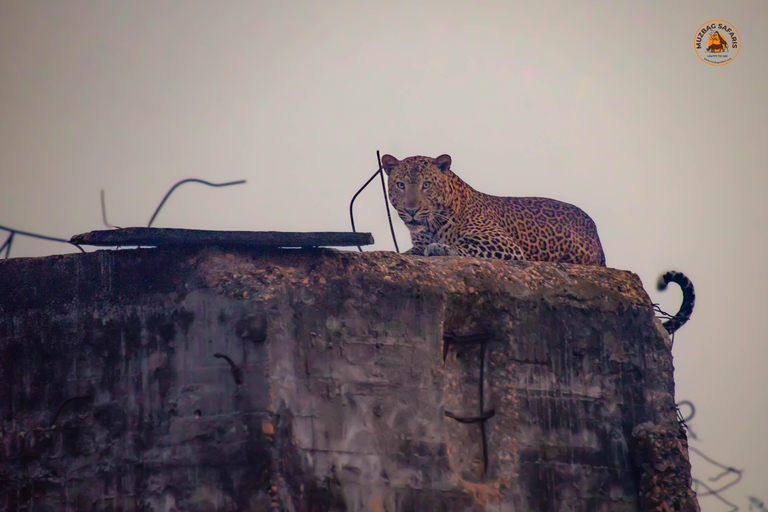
[[412, 213]]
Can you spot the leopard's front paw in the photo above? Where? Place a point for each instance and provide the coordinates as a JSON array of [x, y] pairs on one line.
[[440, 250], [415, 251]]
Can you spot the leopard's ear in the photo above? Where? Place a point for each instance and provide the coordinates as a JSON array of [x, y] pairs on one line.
[[388, 162], [443, 162]]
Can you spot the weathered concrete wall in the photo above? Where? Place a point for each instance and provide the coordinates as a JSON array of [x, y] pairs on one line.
[[116, 392]]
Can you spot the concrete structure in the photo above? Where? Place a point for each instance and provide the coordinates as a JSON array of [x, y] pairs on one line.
[[319, 380]]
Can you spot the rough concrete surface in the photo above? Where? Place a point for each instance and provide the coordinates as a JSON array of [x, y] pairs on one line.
[[318, 380]]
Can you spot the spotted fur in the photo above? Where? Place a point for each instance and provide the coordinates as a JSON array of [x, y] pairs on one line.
[[689, 299], [448, 217]]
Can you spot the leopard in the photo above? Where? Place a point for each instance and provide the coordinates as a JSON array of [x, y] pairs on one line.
[[447, 217]]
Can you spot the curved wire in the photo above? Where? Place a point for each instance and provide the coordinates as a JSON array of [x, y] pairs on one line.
[[104, 213], [726, 469], [189, 180], [7, 245], [386, 203], [351, 204], [696, 483], [663, 315], [9, 241], [33, 235], [689, 404]]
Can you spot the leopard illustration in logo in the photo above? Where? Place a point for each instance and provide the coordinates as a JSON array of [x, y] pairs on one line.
[[717, 43]]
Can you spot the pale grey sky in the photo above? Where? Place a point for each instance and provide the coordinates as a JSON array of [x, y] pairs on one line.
[[601, 104]]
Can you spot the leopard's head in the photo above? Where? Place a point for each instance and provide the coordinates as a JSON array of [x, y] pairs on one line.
[[419, 189]]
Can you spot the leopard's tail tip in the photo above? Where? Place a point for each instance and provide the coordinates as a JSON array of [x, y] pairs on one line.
[[663, 281]]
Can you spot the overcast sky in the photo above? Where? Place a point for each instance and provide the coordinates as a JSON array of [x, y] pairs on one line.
[[601, 104]]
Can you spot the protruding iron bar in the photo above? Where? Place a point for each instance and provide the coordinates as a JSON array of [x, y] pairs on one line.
[[9, 241], [104, 213], [65, 402], [7, 245], [451, 339], [237, 374], [482, 338], [472, 419], [386, 203], [352, 203], [189, 180]]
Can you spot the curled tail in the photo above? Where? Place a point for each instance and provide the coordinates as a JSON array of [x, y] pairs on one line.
[[689, 298]]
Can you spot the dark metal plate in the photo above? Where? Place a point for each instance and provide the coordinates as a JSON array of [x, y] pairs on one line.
[[164, 237]]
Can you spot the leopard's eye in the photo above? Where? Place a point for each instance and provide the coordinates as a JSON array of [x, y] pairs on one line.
[[400, 185], [426, 185]]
